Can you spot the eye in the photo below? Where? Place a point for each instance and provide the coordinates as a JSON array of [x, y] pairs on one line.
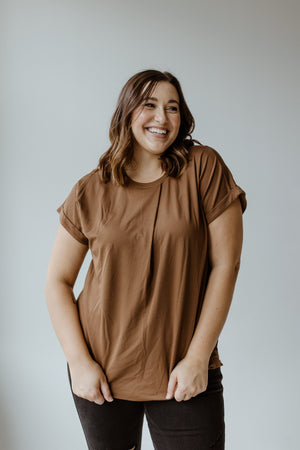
[[173, 108]]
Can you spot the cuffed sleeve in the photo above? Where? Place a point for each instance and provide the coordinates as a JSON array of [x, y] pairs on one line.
[[217, 186], [70, 218]]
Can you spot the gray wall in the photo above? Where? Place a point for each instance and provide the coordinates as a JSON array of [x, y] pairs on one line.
[[63, 66]]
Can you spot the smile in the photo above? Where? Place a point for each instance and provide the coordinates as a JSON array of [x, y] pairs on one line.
[[157, 131]]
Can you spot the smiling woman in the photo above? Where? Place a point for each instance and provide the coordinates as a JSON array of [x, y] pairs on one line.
[[162, 218], [150, 101]]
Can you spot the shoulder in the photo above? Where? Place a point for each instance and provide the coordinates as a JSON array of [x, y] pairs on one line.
[[206, 158], [87, 183]]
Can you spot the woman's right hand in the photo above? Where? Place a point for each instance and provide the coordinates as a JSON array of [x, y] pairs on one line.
[[89, 381]]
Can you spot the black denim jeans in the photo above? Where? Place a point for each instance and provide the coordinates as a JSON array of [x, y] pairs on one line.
[[195, 424]]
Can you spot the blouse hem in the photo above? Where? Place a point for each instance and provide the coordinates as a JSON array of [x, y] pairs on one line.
[[159, 396]]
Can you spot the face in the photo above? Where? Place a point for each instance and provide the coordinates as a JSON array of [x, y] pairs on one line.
[[156, 122]]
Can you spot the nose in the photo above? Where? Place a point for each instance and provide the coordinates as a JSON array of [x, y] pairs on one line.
[[160, 115]]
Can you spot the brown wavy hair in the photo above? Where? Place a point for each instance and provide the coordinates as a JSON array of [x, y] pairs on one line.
[[174, 159]]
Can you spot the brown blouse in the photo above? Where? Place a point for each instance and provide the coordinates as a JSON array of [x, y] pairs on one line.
[[145, 285]]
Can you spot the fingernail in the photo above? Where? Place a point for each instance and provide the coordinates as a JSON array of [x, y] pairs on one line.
[[168, 396]]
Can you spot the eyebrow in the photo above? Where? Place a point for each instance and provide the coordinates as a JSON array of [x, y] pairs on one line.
[[170, 101]]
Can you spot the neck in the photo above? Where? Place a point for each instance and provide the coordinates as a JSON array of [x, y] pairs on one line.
[[145, 163]]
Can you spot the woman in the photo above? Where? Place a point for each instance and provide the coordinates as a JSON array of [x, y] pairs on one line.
[[162, 218]]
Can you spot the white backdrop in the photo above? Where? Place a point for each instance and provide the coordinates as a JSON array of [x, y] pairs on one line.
[[63, 66]]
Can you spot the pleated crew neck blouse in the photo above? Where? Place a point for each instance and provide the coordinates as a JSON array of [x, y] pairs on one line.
[[145, 285]]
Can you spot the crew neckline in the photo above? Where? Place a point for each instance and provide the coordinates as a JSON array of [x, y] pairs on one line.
[[143, 185]]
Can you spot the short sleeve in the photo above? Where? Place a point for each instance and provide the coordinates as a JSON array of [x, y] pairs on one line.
[[217, 186], [70, 217]]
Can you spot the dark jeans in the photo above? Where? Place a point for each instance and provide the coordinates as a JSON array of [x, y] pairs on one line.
[[195, 424]]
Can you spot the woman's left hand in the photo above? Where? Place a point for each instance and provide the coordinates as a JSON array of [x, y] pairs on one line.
[[188, 379]]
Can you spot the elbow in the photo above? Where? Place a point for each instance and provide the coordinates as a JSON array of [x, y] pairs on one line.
[[50, 292], [236, 267], [54, 288], [229, 266]]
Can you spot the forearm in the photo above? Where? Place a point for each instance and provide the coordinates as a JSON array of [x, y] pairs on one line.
[[215, 308], [65, 319]]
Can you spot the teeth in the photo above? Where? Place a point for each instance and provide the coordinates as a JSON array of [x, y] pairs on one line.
[[156, 130]]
